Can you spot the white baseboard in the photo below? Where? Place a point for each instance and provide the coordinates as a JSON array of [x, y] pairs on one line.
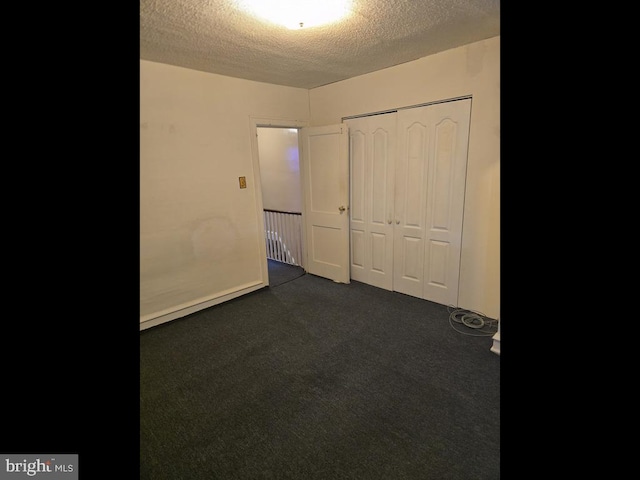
[[495, 348], [180, 311]]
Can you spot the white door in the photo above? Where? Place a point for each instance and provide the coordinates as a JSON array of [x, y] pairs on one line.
[[410, 201], [445, 199], [372, 152], [430, 183], [325, 183]]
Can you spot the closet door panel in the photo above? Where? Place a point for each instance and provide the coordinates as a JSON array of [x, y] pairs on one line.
[[373, 150], [412, 188], [379, 176], [358, 168], [378, 253], [357, 253], [445, 201], [438, 261], [357, 211], [382, 134], [410, 195]]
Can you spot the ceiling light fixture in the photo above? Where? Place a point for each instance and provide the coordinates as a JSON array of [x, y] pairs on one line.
[[297, 14]]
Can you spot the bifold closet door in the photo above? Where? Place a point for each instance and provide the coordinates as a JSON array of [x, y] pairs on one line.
[[431, 166], [372, 157], [408, 171]]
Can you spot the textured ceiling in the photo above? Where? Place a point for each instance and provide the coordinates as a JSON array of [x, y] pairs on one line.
[[215, 36]]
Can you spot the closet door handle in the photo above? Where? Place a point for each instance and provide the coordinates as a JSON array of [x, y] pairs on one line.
[[341, 208]]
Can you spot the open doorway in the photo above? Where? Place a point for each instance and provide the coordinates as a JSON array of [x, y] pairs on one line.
[[278, 155]]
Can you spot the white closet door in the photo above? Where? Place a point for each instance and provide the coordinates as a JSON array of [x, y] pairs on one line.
[[414, 138], [372, 155], [430, 183], [445, 199]]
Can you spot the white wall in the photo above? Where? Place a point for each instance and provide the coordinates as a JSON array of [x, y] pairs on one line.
[[470, 70], [200, 234], [280, 169]]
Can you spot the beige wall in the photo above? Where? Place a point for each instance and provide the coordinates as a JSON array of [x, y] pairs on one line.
[[280, 169], [200, 234], [470, 70]]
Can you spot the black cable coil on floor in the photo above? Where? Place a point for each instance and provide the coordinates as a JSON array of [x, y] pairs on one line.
[[475, 321]]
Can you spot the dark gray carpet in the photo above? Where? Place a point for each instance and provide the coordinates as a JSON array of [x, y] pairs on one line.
[[280, 272], [312, 379]]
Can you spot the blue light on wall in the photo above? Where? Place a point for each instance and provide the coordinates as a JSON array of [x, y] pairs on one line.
[[292, 158]]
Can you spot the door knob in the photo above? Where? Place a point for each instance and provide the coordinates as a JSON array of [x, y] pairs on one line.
[[341, 208]]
